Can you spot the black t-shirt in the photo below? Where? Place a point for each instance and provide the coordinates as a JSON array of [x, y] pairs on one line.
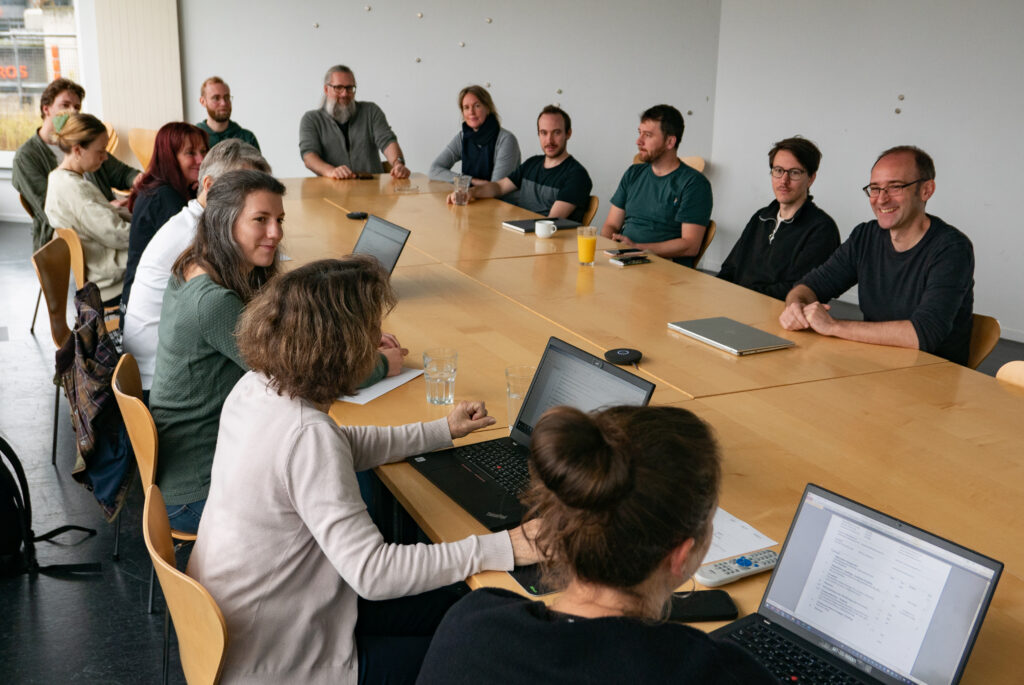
[[151, 212], [540, 188], [931, 284], [495, 636]]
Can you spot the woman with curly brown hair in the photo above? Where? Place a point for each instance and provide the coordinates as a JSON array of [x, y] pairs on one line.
[[625, 497], [309, 589]]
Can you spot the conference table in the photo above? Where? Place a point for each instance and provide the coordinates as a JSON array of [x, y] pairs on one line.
[[927, 441]]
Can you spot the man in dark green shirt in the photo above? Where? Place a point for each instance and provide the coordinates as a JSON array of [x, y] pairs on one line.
[[215, 96]]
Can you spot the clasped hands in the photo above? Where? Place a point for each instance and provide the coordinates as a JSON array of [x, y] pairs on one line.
[[343, 172], [798, 316]]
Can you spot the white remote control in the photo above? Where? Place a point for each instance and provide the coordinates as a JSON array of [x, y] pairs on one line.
[[728, 570]]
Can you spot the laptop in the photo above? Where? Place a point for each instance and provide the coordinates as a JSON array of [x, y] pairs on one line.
[[527, 225], [487, 478], [868, 596], [382, 239], [729, 335]]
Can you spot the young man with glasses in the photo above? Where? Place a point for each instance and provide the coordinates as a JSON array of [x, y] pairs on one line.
[[344, 138], [915, 272], [785, 240], [215, 97]]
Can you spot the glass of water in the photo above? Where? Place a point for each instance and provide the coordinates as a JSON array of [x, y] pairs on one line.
[[439, 367], [517, 382]]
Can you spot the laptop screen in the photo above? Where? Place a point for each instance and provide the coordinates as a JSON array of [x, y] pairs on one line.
[[382, 239], [569, 376], [892, 600]]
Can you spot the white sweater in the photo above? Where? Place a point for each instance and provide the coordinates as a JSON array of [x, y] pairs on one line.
[[285, 544], [74, 202]]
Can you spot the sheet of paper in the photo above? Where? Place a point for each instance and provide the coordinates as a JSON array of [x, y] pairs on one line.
[[377, 389], [734, 537]]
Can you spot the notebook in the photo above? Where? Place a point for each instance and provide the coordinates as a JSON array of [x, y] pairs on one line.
[[382, 239], [527, 225], [486, 478], [869, 596], [729, 335]]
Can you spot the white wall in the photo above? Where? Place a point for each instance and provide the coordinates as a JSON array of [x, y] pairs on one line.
[[274, 60], [833, 72]]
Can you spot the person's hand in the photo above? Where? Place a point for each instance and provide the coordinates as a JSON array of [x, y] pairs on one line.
[[399, 170], [120, 202], [524, 551], [389, 340], [137, 181], [792, 317], [395, 356], [467, 417], [341, 172], [818, 318], [623, 240], [451, 198]]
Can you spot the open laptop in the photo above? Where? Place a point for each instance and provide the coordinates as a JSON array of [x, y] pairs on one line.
[[382, 239], [729, 335], [869, 596], [486, 478]]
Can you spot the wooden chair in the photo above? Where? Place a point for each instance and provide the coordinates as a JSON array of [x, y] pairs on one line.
[[141, 141], [52, 263], [697, 163], [709, 235], [112, 138], [588, 215], [127, 385], [984, 336], [1012, 372], [202, 633], [70, 236], [39, 297]]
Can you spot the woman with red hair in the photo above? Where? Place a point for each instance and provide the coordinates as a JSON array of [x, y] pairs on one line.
[[170, 181]]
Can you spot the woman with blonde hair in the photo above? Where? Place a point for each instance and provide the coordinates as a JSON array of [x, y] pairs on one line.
[[487, 151], [73, 202]]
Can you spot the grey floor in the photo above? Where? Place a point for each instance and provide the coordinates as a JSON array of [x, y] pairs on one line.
[[89, 630]]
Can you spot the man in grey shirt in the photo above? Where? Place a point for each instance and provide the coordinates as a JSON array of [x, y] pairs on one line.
[[344, 137]]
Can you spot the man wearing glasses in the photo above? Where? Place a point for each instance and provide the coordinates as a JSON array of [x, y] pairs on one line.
[[215, 96], [344, 138], [915, 272], [785, 240]]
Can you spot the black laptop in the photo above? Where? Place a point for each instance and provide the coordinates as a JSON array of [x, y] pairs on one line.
[[861, 597], [382, 239], [487, 478]]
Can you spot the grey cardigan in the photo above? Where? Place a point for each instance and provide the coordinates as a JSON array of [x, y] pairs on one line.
[[368, 135], [506, 157]]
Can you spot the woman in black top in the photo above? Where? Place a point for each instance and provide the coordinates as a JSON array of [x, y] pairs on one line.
[[170, 181], [625, 499]]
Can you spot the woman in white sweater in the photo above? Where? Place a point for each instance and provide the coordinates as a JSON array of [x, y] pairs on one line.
[[285, 545], [74, 202]]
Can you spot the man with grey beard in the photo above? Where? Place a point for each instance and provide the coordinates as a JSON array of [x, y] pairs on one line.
[[344, 138]]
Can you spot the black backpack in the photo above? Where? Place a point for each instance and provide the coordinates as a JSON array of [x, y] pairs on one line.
[[17, 539]]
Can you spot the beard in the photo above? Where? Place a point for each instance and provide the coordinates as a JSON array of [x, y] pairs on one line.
[[219, 117], [339, 112]]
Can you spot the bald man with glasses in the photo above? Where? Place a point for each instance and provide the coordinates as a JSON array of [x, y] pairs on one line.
[[914, 272], [344, 137]]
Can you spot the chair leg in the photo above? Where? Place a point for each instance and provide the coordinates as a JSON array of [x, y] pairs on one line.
[[39, 298], [117, 537], [56, 414], [152, 582], [167, 643]]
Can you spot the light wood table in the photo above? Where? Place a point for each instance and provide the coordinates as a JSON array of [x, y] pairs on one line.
[[612, 306], [380, 184]]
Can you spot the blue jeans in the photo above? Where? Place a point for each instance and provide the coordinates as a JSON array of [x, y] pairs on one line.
[[185, 517]]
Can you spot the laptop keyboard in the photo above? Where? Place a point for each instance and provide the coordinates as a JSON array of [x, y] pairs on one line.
[[786, 660], [501, 461]]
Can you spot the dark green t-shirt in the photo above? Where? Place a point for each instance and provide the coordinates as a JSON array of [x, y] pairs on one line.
[[232, 131], [656, 206]]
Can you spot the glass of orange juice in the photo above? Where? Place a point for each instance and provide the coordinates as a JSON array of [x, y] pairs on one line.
[[586, 244]]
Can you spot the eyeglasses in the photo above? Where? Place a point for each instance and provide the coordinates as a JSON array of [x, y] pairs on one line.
[[794, 174], [892, 190], [338, 90], [221, 98]]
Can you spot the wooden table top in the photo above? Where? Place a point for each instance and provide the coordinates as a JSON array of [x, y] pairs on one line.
[[380, 184]]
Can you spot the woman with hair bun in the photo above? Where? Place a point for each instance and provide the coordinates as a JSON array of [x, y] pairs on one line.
[[73, 202], [487, 151], [625, 499]]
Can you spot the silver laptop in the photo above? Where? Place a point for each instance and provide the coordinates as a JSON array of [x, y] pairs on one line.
[[729, 335], [382, 239], [861, 597]]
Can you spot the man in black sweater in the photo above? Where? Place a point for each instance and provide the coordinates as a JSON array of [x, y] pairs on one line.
[[785, 240], [915, 272]]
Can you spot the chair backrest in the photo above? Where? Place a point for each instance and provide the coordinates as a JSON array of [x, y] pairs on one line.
[[112, 138], [141, 141], [709, 235], [1012, 372], [984, 336], [70, 236], [202, 633], [52, 263], [26, 206], [694, 162], [138, 421], [588, 215]]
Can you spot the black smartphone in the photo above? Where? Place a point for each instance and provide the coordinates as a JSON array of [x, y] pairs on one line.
[[624, 251], [703, 605], [629, 260]]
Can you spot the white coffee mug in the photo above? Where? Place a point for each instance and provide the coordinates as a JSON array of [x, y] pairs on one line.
[[545, 229]]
